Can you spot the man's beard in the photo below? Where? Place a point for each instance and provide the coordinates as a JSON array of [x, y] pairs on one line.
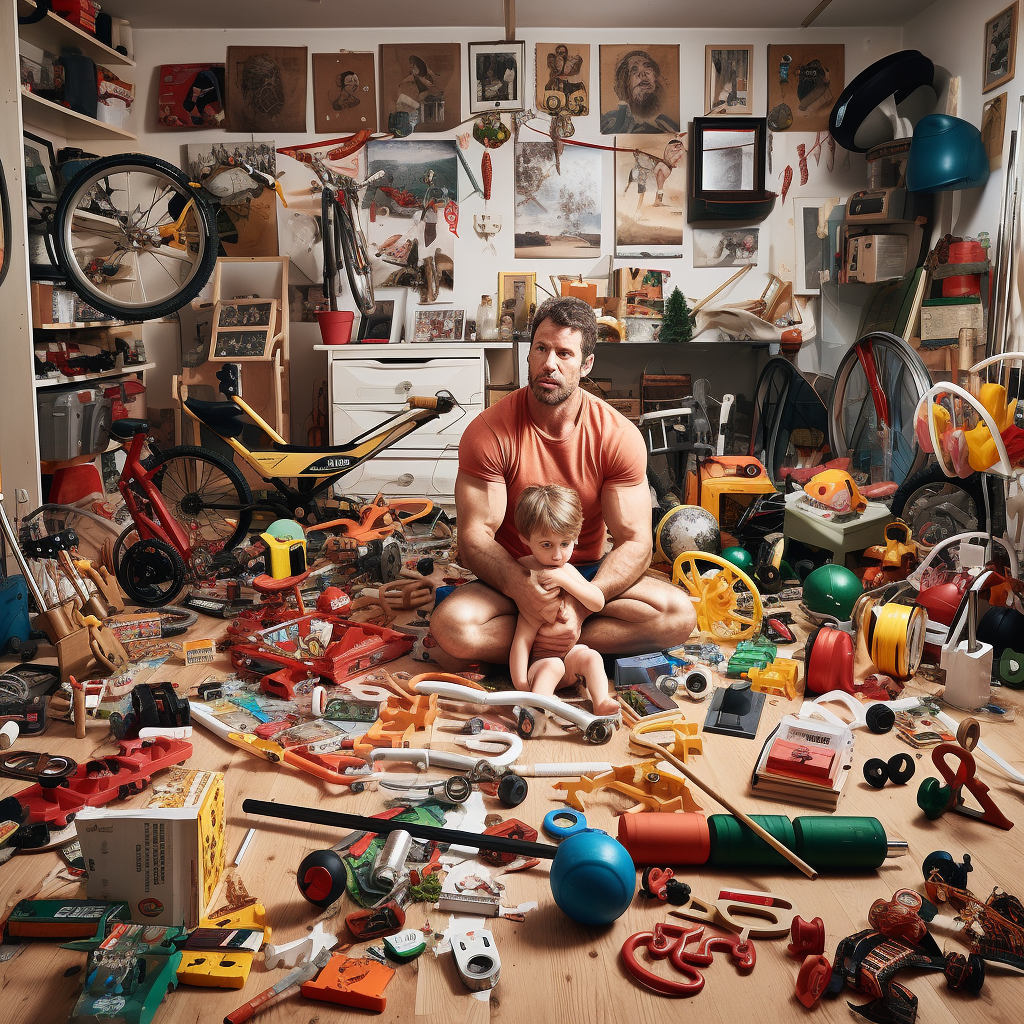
[[644, 104], [548, 397]]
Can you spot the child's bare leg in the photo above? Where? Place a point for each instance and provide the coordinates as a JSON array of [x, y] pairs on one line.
[[519, 655], [583, 661], [546, 676]]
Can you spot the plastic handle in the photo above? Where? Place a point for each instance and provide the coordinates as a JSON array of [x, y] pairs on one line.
[[419, 402]]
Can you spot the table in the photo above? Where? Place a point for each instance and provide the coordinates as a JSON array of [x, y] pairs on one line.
[[554, 970]]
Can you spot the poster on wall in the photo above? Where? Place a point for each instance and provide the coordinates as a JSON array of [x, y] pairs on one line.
[[563, 78], [247, 227], [266, 88], [725, 247], [804, 82], [344, 92], [191, 96], [639, 89], [413, 215], [558, 202], [650, 193], [420, 87]]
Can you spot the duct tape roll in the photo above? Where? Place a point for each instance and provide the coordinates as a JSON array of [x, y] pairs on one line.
[[897, 639], [8, 734]]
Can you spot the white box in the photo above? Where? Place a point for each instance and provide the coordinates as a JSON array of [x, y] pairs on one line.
[[873, 258]]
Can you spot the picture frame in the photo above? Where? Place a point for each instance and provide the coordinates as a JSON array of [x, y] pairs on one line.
[[344, 92], [807, 215], [1000, 54], [728, 158], [497, 74], [728, 80], [993, 126], [387, 321], [243, 329], [517, 295], [39, 159], [804, 82], [436, 325], [265, 88], [563, 78], [420, 87]]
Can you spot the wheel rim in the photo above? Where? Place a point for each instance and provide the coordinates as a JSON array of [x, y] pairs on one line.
[[151, 572], [112, 234], [717, 599], [189, 487], [940, 510]]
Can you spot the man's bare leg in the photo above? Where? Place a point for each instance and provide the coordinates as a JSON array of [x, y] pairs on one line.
[[474, 623]]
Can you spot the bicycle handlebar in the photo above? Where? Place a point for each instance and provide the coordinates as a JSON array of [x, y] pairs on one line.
[[444, 401], [421, 402]]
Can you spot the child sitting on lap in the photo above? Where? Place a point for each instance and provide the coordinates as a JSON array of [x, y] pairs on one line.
[[549, 518]]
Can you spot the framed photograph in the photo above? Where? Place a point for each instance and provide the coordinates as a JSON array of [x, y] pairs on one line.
[[993, 125], [243, 329], [804, 82], [39, 162], [344, 92], [728, 86], [639, 89], [517, 300], [496, 76], [725, 247], [420, 88], [432, 324], [563, 78], [386, 322], [810, 218], [266, 88], [1000, 48]]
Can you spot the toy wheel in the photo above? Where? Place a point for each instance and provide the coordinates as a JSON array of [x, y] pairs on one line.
[[598, 732], [716, 596], [458, 789], [525, 723], [357, 787], [151, 573]]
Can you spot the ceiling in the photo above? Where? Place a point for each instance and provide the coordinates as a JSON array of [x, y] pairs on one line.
[[530, 14]]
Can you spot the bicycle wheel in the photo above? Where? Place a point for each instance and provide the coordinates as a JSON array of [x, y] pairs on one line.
[[206, 494], [935, 506], [357, 260], [135, 238], [330, 219], [151, 573]]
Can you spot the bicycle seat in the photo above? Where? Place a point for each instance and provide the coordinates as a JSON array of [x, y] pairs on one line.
[[125, 429], [223, 417]]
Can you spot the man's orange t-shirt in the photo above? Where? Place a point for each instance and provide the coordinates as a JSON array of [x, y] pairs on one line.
[[504, 444]]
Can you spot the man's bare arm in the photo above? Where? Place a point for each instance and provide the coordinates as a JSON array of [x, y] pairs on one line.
[[627, 514]]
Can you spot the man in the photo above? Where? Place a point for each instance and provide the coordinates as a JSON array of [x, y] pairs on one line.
[[641, 89], [348, 84], [553, 432]]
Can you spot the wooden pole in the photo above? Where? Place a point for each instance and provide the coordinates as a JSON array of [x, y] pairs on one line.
[[735, 277], [510, 19]]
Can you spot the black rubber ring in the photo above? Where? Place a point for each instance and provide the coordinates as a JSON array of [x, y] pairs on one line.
[[901, 768], [876, 772], [879, 718]]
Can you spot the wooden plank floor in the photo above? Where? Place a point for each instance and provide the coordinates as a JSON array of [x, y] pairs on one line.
[[553, 970]]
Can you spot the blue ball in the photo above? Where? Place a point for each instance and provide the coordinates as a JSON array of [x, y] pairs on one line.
[[592, 878]]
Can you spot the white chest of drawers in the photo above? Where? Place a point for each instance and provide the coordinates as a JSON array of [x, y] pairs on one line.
[[369, 383]]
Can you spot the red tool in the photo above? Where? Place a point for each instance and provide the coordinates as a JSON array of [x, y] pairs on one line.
[[935, 799], [808, 938], [815, 974], [385, 917], [866, 356], [659, 947]]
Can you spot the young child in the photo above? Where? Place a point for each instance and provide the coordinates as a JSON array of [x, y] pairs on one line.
[[549, 518]]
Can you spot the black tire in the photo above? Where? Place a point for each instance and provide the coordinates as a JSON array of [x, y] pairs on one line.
[[357, 259], [126, 539], [206, 493], [89, 226], [151, 573], [936, 506], [175, 620]]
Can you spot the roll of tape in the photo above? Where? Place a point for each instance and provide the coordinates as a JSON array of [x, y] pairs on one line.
[[897, 639]]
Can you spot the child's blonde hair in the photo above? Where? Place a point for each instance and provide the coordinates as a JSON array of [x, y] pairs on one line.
[[549, 507]]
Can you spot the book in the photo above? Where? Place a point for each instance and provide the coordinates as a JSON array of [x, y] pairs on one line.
[[163, 858]]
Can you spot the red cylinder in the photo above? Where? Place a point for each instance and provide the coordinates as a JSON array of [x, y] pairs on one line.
[[970, 284], [661, 839]]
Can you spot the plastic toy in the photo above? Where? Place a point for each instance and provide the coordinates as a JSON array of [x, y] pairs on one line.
[[351, 981], [833, 493], [477, 960], [935, 799], [773, 915], [643, 783], [897, 557], [716, 599], [831, 590]]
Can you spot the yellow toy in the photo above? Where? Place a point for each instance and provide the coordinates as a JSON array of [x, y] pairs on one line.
[[715, 596], [982, 452], [896, 558], [685, 735], [834, 491], [780, 677], [644, 782]]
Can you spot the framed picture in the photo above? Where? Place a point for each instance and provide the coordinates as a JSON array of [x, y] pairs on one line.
[[725, 247], [437, 324], [191, 96], [243, 329], [496, 76], [1000, 48], [728, 86], [728, 159], [993, 125], [266, 88], [639, 89], [344, 92], [39, 161], [804, 82], [809, 218], [650, 194], [563, 78], [517, 300], [420, 88], [386, 322]]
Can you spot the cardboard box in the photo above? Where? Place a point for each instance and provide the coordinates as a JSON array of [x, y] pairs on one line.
[[942, 319], [165, 858]]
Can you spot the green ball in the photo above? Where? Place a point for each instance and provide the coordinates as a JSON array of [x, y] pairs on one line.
[[740, 557], [832, 590]]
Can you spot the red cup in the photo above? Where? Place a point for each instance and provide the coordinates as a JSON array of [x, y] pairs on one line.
[[336, 325]]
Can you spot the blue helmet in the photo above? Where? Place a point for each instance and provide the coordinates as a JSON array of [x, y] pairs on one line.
[[946, 153]]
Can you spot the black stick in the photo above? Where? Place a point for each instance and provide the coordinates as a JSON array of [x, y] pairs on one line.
[[339, 819]]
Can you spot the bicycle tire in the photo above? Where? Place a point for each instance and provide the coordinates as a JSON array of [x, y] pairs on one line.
[[189, 502], [126, 539], [111, 256], [936, 506], [151, 573], [175, 620], [330, 218], [357, 259]]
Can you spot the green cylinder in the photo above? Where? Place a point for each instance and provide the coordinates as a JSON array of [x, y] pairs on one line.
[[735, 845], [847, 843]]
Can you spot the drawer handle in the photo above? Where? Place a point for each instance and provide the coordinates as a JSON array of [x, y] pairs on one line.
[[405, 385]]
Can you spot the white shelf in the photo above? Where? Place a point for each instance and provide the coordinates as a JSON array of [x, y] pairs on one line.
[[85, 378], [53, 32], [68, 123], [79, 325]]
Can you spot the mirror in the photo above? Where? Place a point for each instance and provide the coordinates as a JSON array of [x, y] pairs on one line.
[[729, 158], [5, 227]]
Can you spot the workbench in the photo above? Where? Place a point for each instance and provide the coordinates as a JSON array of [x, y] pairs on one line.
[[552, 969]]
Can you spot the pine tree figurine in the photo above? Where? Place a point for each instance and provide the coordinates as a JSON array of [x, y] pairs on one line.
[[677, 323]]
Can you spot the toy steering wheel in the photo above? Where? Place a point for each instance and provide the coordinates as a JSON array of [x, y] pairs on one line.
[[715, 596]]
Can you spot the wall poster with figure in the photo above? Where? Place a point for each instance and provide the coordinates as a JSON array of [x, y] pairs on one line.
[[804, 82], [650, 193], [344, 92], [266, 88], [639, 89], [563, 78], [496, 76], [420, 87], [728, 87]]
